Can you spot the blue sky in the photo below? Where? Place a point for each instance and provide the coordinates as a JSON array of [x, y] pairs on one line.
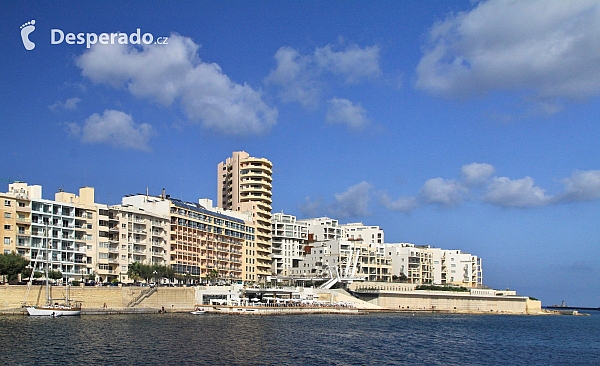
[[460, 124]]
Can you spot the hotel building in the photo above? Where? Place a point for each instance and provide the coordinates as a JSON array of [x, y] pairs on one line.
[[204, 241], [244, 184]]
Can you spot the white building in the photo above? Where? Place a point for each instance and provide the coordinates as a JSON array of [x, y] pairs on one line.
[[349, 258], [287, 242], [425, 265], [322, 229], [412, 261], [455, 267], [368, 234]]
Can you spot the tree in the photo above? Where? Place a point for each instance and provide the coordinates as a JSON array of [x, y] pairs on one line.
[[401, 278], [54, 275], [213, 274], [134, 271], [12, 264]]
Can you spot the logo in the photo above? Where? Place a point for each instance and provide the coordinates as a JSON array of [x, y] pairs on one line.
[[26, 30]]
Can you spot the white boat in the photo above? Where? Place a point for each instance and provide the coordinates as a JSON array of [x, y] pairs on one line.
[[54, 310], [198, 312]]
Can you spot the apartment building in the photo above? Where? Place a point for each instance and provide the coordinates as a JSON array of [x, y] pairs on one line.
[[48, 233], [456, 267], [349, 258], [15, 216], [426, 265], [323, 229], [244, 184], [288, 240], [415, 262], [204, 241], [368, 234]]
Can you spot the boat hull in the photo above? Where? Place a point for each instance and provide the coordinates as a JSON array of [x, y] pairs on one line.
[[53, 311]]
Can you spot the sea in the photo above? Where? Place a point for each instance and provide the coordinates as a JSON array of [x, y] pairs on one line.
[[373, 339]]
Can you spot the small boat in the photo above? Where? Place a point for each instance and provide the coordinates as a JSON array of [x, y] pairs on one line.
[[54, 310], [198, 311]]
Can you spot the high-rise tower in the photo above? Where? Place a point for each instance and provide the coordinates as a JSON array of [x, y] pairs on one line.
[[244, 184]]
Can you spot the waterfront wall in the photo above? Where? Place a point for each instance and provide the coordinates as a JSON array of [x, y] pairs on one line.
[[404, 297], [110, 297]]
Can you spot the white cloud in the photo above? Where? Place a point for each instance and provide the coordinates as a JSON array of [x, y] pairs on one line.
[[403, 204], [522, 193], [69, 105], [550, 47], [497, 191], [310, 208], [166, 73], [299, 76], [443, 192], [352, 203], [114, 128], [582, 186], [476, 174], [344, 111], [354, 63]]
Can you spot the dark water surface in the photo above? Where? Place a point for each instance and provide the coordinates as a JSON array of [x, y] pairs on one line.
[[382, 339]]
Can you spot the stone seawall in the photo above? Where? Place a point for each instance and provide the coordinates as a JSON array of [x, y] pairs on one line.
[[439, 301], [104, 297]]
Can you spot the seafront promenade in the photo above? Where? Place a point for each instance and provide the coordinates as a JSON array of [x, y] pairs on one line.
[[225, 299]]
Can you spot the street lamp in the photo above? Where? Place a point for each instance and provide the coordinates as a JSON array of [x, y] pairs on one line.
[[155, 279]]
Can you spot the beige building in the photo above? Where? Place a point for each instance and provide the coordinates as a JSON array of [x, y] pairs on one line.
[[58, 234], [126, 235], [202, 240], [15, 218], [244, 184]]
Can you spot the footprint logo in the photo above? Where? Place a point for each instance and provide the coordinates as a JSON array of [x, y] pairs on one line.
[[26, 29]]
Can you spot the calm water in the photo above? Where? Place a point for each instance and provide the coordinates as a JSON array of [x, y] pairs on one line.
[[386, 339]]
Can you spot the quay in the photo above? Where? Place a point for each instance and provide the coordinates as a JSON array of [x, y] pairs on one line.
[[235, 299]]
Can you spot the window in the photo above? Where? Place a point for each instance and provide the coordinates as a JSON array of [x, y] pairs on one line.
[[89, 226], [6, 227], [21, 204], [7, 203], [7, 215], [6, 240], [6, 251]]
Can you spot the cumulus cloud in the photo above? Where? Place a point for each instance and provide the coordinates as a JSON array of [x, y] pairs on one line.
[[522, 193], [69, 105], [476, 174], [114, 128], [299, 76], [477, 183], [403, 204], [173, 72], [442, 192], [344, 111], [582, 186], [548, 47], [353, 202]]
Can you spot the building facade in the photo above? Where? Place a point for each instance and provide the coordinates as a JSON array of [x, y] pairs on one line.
[[323, 229], [426, 265], [288, 240], [244, 184], [204, 242]]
